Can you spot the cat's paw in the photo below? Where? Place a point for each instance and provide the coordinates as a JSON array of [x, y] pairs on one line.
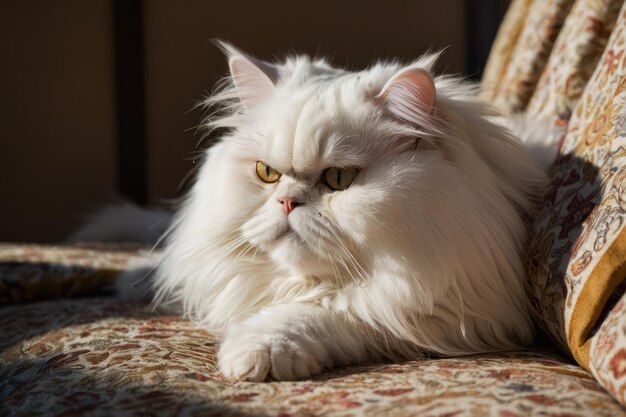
[[284, 359], [249, 365]]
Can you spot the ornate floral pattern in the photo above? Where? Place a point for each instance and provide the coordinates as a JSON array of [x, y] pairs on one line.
[[528, 59], [102, 357], [503, 45], [607, 358], [576, 261], [574, 57]]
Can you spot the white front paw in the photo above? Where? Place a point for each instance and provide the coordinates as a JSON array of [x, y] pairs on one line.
[[247, 359], [251, 364]]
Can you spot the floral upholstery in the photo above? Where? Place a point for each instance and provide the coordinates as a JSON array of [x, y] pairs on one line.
[[607, 357], [577, 253], [502, 48], [528, 58], [35, 272], [102, 357], [574, 57]]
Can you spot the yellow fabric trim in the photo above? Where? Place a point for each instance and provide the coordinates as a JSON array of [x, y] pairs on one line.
[[601, 283]]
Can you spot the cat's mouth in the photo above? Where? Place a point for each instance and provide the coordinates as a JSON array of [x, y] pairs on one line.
[[287, 230], [285, 233], [289, 235], [292, 235]]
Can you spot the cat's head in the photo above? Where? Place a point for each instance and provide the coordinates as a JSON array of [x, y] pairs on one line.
[[328, 159]]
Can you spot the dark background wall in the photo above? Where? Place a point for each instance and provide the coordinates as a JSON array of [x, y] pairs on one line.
[[59, 113], [57, 125]]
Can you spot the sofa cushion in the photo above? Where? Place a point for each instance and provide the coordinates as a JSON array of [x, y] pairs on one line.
[[30, 272], [607, 356], [573, 59], [502, 48], [541, 27], [102, 357], [577, 258]]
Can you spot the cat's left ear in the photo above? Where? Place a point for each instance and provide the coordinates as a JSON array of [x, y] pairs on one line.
[[253, 78], [410, 95]]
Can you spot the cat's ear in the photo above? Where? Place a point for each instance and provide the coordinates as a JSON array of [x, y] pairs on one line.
[[253, 78], [410, 95]]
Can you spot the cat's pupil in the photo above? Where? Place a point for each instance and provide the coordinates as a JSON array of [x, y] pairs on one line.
[[338, 178], [267, 171]]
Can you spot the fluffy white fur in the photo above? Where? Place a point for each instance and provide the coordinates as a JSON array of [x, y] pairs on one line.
[[541, 136], [422, 254]]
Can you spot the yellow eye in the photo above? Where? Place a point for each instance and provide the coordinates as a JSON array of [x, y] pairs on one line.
[[339, 179], [267, 173]]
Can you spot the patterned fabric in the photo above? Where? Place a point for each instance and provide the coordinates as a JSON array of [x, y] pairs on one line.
[[502, 47], [528, 59], [102, 357], [38, 272], [574, 57], [577, 254], [607, 357]]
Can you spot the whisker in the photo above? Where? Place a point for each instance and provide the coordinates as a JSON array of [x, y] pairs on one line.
[[364, 275]]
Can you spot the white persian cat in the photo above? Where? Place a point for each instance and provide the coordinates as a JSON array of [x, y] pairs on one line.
[[352, 216]]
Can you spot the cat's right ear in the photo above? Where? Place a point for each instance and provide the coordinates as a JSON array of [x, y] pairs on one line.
[[253, 78]]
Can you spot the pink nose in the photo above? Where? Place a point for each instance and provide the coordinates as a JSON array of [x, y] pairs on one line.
[[288, 204]]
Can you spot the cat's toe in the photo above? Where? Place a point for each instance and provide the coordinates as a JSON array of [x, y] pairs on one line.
[[290, 362], [252, 365], [283, 359]]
